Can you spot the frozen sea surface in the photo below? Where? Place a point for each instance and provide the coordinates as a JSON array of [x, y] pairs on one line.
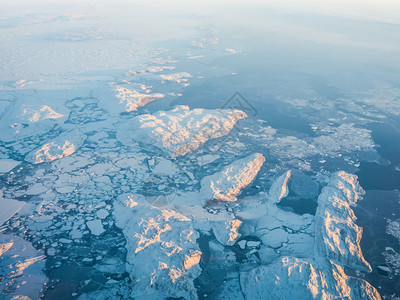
[[213, 150]]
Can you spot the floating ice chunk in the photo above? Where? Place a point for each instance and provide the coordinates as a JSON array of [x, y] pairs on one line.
[[242, 244], [165, 167], [226, 232], [36, 189], [275, 238], [385, 269], [8, 208], [206, 159], [253, 243], [227, 184], [177, 77], [393, 228], [180, 130], [95, 227], [62, 146], [163, 256], [51, 251], [299, 245], [45, 112], [65, 241], [102, 213], [279, 189], [337, 235], [292, 278], [111, 265], [267, 255], [132, 99], [7, 165], [153, 69]]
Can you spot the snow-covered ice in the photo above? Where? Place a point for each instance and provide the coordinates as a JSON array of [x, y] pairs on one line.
[[62, 146], [292, 278], [338, 237], [226, 185], [162, 251], [178, 131]]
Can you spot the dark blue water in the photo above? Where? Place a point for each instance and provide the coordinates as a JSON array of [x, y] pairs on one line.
[[381, 202]]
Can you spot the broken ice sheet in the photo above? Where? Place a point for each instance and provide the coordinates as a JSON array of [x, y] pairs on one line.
[[98, 121]]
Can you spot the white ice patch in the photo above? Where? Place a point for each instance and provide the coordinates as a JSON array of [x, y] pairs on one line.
[[343, 138], [206, 159], [338, 237], [279, 189], [163, 255], [95, 227], [132, 100], [292, 278], [177, 77], [227, 184], [180, 130], [226, 232], [62, 146], [153, 69], [165, 167]]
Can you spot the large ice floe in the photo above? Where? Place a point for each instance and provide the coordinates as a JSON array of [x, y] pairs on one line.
[[179, 131], [163, 256], [235, 177], [319, 273], [338, 235], [292, 278]]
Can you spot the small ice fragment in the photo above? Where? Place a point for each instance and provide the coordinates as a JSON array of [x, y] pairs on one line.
[[253, 243], [242, 244], [95, 227], [102, 213]]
